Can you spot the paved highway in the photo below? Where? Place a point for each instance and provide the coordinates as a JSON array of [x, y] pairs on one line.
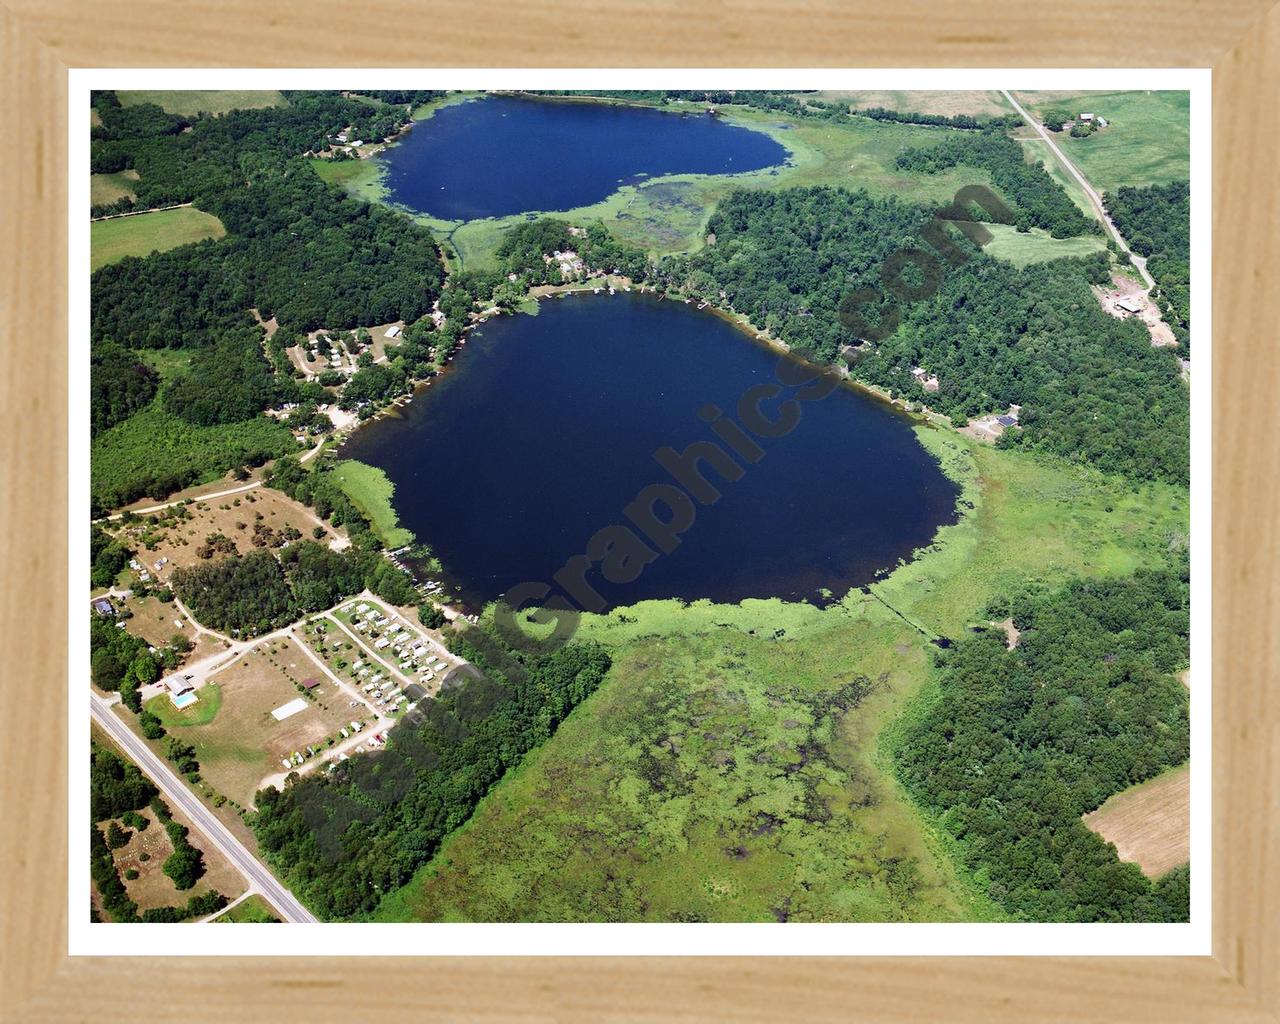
[[176, 792]]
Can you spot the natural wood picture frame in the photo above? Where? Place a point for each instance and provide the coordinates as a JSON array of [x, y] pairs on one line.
[[1240, 40]]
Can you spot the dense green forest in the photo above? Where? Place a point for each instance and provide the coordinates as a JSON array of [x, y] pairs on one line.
[[297, 249], [1156, 221], [249, 594], [107, 557], [120, 384], [1092, 387], [1017, 744], [342, 841]]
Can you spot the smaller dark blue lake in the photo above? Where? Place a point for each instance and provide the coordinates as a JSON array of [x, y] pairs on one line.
[[501, 155], [545, 428]]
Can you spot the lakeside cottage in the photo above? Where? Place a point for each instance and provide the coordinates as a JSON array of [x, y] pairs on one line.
[[926, 380]]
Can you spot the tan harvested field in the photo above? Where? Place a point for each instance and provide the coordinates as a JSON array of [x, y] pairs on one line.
[[243, 744], [977, 102], [1149, 824], [178, 533], [152, 887]]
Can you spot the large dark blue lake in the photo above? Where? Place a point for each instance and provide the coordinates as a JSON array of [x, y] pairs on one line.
[[501, 154], [545, 428]]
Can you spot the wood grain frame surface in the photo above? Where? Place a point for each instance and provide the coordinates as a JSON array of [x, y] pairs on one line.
[[41, 39]]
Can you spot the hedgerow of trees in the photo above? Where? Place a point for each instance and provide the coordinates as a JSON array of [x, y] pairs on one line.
[[1018, 744]]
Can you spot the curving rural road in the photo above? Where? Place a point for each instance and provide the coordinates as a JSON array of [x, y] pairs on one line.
[[1095, 199], [306, 456], [177, 793]]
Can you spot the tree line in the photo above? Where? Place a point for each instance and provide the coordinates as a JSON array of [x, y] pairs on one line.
[[1015, 745], [344, 840], [798, 103], [1039, 200]]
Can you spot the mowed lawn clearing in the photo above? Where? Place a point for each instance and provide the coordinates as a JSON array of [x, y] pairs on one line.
[[107, 188], [1036, 246], [1150, 824], [144, 233], [243, 744], [1148, 139], [193, 101], [371, 491]]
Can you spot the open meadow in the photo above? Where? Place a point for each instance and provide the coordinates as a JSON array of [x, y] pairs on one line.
[[107, 188], [371, 492], [252, 910], [1147, 140], [1022, 248], [734, 765], [140, 234], [196, 101]]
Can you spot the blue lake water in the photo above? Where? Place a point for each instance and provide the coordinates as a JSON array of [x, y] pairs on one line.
[[545, 428], [502, 154]]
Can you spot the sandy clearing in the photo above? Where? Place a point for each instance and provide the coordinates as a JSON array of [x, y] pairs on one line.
[[1150, 824]]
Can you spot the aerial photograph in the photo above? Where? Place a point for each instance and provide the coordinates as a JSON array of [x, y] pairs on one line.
[[654, 505]]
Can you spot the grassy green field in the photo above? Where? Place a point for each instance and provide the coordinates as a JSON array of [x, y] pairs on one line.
[[976, 102], [195, 101], [154, 443], [107, 188], [716, 775], [371, 491], [167, 362], [1037, 246], [1147, 141], [251, 910], [202, 712], [142, 234], [670, 214]]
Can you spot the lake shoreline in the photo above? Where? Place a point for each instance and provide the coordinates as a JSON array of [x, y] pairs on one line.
[[851, 562]]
